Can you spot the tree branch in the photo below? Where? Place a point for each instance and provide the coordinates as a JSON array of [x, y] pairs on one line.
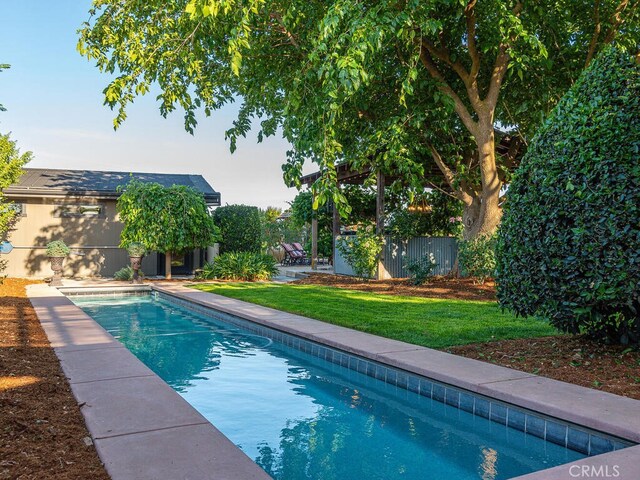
[[449, 176], [278, 18], [499, 70], [497, 76], [617, 19], [596, 34], [445, 88], [443, 54], [470, 14]]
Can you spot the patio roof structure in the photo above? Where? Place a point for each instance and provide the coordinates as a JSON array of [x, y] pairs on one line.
[[509, 147]]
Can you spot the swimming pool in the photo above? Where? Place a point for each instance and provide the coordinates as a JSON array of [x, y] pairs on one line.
[[300, 417]]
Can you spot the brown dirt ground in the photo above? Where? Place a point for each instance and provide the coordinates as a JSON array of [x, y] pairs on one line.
[[569, 358], [42, 432], [438, 287]]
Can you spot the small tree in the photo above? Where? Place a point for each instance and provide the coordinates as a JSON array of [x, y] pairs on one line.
[[240, 228], [11, 163], [362, 251], [169, 220], [569, 245]]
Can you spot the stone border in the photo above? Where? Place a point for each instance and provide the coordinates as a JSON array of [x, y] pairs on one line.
[[140, 426], [601, 411]]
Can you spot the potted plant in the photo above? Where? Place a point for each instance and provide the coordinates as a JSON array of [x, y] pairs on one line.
[[57, 251], [136, 252]]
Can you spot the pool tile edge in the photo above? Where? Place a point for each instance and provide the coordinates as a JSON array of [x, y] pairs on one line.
[[152, 460], [506, 384]]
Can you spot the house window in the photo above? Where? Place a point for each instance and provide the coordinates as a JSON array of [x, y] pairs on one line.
[[19, 208], [96, 210]]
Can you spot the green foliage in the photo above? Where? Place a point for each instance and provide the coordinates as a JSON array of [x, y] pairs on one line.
[[276, 230], [432, 322], [240, 266], [436, 215], [301, 215], [11, 163], [421, 269], [165, 219], [362, 251], [125, 274], [375, 83], [58, 248], [240, 228], [569, 246], [136, 249], [3, 66], [477, 257]]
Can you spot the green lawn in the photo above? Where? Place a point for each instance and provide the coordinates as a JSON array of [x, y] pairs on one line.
[[430, 322]]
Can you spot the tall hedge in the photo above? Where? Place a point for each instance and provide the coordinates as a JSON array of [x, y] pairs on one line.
[[569, 243], [240, 228]]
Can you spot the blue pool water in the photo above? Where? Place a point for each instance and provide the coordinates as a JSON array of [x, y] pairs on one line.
[[300, 417]]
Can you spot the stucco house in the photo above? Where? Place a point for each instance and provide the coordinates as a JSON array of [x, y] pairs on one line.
[[79, 207]]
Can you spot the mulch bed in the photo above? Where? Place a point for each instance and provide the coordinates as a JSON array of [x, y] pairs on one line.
[[42, 432], [438, 287], [569, 358]]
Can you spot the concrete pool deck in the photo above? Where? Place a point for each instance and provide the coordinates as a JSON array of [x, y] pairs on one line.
[[143, 429]]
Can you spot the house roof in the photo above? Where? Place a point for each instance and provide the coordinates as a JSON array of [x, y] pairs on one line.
[[46, 182]]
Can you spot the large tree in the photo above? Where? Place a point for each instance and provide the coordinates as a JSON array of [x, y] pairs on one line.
[[169, 220], [385, 84]]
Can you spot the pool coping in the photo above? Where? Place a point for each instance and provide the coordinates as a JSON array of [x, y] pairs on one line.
[[601, 411]]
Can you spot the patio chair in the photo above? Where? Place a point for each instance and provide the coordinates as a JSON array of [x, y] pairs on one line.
[[291, 255], [298, 247]]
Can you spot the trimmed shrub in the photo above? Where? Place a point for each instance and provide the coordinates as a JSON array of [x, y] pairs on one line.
[[126, 274], [421, 269], [569, 243], [240, 227], [477, 257], [362, 251], [240, 266], [58, 248], [136, 249]]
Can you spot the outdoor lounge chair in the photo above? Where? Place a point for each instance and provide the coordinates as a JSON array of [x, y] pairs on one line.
[[291, 255], [299, 248]]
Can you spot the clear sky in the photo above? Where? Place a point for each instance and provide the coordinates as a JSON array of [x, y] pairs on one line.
[[54, 103]]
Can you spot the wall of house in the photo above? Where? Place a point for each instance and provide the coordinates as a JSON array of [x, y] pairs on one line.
[[93, 238]]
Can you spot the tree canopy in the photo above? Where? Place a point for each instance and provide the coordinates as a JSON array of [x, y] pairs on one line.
[[165, 219], [396, 86]]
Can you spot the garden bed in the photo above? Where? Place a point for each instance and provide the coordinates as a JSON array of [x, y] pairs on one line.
[[42, 434], [438, 287]]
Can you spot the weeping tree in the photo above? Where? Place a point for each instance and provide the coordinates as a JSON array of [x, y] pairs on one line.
[[168, 220], [394, 86]]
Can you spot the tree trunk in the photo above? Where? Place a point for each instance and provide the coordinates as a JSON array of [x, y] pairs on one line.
[[482, 215], [167, 265]]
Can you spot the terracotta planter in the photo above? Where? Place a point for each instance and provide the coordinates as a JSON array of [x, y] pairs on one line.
[[136, 263], [56, 266]]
